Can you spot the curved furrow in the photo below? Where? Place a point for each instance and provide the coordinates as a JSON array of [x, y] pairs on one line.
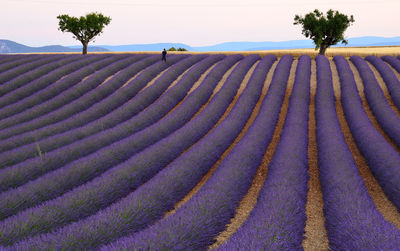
[[205, 146], [367, 108], [115, 109], [245, 84], [106, 184], [350, 225], [277, 221], [18, 175], [381, 201], [391, 80], [48, 105], [25, 64], [246, 205], [383, 86], [87, 93], [377, 101], [66, 126], [5, 59], [207, 220], [31, 71], [9, 66], [124, 152], [84, 169], [394, 62], [34, 84], [315, 236], [49, 87], [382, 158]]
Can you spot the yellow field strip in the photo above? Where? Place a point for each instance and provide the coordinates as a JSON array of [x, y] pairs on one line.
[[330, 52]]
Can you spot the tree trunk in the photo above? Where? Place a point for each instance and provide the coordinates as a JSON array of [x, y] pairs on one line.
[[322, 49], [84, 49]]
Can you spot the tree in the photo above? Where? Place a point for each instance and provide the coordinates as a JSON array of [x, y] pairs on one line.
[[324, 30], [84, 28], [175, 49]]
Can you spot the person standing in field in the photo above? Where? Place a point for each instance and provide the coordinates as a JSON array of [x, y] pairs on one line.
[[164, 55]]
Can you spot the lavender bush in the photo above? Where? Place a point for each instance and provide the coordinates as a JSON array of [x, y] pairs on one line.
[[86, 116], [205, 152], [382, 159], [11, 59], [17, 78], [48, 187], [88, 92], [394, 62], [10, 64], [380, 107], [218, 198], [130, 105], [391, 80], [73, 78], [277, 221], [50, 81], [20, 174], [350, 225]]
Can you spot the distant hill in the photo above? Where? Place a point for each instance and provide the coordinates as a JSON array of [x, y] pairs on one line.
[[252, 46], [7, 46], [147, 47]]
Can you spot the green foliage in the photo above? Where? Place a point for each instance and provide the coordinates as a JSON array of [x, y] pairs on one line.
[[84, 28], [38, 149], [324, 30], [174, 49]]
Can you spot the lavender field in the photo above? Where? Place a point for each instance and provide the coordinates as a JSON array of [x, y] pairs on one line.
[[217, 152]]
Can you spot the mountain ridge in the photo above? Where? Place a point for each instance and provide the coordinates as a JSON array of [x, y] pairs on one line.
[[252, 46], [7, 46]]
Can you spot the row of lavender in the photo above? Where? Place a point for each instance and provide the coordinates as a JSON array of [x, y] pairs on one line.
[[152, 199], [73, 125], [382, 158], [196, 99], [350, 225], [277, 222], [216, 194], [115, 106], [173, 120], [86, 95]]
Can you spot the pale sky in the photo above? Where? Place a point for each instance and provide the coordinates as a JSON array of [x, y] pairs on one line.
[[196, 23]]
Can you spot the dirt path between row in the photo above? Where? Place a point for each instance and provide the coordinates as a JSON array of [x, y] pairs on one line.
[[384, 88], [394, 71], [214, 167], [248, 202], [367, 108], [315, 231], [243, 207], [382, 203]]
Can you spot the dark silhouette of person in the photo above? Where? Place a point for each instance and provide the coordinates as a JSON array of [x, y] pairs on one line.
[[164, 55]]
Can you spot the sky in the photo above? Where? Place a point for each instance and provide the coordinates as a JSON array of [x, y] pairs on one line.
[[196, 23]]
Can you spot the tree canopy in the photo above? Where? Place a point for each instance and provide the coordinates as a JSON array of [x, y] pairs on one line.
[[175, 49], [84, 28], [324, 30]]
